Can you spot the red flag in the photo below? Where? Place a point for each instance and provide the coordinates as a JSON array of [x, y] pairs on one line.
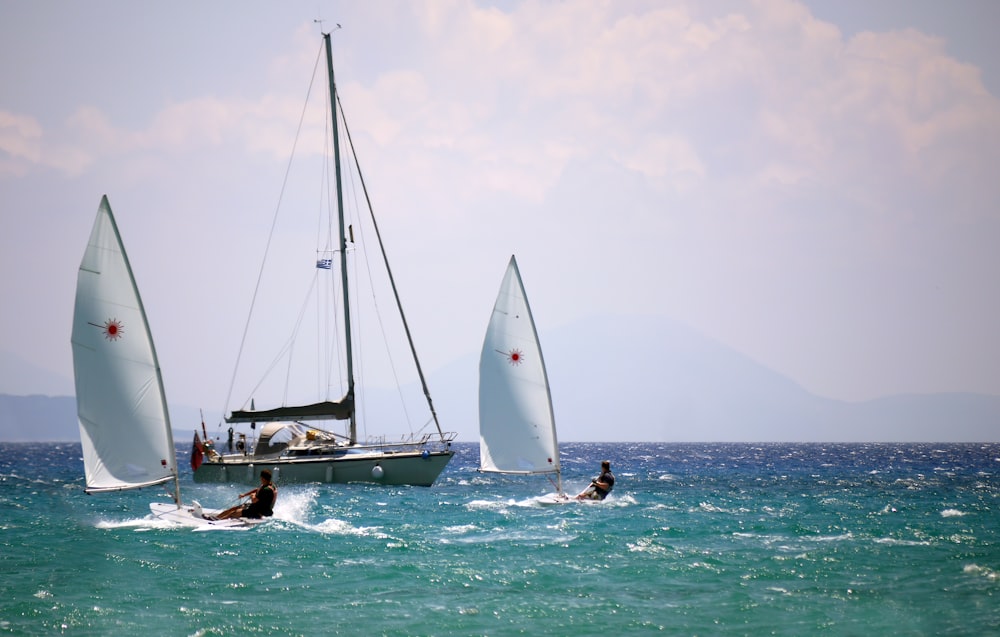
[[197, 453]]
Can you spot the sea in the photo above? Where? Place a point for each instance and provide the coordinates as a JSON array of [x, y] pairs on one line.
[[695, 539]]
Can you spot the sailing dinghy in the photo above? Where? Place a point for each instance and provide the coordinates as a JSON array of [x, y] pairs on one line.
[[124, 423], [517, 428]]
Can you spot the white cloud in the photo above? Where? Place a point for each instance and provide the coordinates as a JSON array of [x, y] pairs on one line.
[[24, 147]]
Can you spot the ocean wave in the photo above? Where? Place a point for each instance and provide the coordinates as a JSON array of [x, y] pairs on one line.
[[892, 541], [832, 538], [140, 524], [459, 529], [647, 545], [707, 507], [333, 526], [530, 536], [982, 571], [619, 500], [751, 539], [490, 505], [294, 505]]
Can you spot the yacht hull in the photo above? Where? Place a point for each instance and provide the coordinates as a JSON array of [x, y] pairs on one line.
[[389, 468]]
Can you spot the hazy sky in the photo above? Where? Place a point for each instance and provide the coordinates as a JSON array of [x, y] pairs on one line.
[[813, 184]]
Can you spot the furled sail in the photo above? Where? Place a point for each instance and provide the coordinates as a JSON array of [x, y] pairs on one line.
[[327, 410], [124, 424], [516, 424]]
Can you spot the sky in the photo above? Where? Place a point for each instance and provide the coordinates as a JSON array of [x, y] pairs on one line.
[[813, 184]]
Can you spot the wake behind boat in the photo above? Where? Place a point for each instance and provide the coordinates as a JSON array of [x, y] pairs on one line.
[[294, 442], [124, 423], [517, 426]]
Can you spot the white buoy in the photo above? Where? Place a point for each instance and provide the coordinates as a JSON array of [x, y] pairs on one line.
[[378, 472]]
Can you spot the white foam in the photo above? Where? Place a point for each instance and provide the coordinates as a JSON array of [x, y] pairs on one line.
[[975, 569], [706, 507], [294, 505], [333, 526], [139, 524], [459, 529], [490, 505], [891, 541]]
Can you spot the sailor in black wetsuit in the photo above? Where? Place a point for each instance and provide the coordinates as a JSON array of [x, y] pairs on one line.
[[600, 486], [261, 502]]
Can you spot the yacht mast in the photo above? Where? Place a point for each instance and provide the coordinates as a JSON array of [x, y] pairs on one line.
[[343, 240]]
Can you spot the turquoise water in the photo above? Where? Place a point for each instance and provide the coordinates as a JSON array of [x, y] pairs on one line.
[[695, 540]]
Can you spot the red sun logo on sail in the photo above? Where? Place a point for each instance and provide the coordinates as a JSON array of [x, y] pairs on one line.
[[113, 329], [515, 357]]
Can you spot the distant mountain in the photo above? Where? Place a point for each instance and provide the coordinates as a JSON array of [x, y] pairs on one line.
[[53, 419], [653, 379], [19, 377], [636, 379], [38, 419]]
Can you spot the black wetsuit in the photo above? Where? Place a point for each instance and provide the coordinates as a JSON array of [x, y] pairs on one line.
[[608, 478], [264, 504]]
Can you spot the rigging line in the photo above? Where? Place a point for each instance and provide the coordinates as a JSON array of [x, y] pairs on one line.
[[323, 346], [332, 372], [326, 356], [378, 310], [270, 236], [557, 483], [360, 351], [295, 331], [359, 327], [385, 258], [336, 350], [286, 348]]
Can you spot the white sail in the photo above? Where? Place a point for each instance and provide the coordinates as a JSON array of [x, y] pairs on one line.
[[516, 425], [124, 425]]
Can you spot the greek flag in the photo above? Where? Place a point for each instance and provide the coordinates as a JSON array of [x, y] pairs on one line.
[[324, 264]]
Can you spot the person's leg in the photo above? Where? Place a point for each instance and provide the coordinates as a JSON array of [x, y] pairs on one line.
[[231, 512]]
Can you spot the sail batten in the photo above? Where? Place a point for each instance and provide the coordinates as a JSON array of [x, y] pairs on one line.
[[516, 421], [122, 412]]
